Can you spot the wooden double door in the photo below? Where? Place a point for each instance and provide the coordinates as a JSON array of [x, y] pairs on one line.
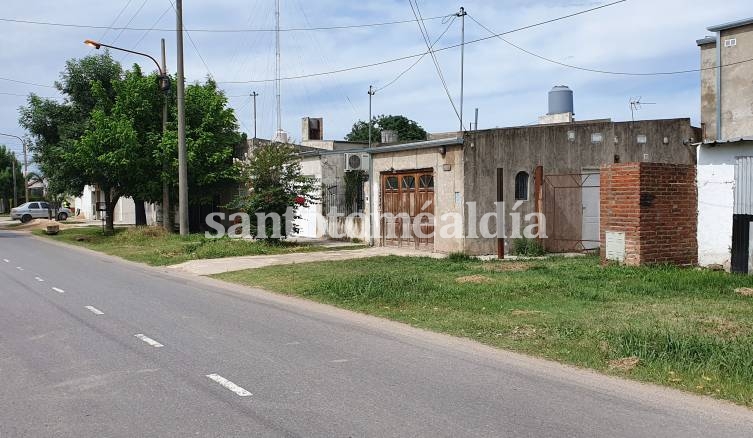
[[407, 206]]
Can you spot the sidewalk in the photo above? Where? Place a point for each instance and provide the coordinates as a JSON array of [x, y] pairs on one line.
[[217, 266]]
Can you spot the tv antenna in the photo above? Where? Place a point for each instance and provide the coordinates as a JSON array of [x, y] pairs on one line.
[[637, 105]]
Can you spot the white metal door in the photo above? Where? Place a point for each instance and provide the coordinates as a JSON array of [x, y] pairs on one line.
[[744, 186], [590, 180]]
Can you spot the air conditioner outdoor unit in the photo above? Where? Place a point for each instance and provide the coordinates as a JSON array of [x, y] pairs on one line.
[[357, 162]]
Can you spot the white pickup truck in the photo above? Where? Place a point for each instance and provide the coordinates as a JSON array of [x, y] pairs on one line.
[[37, 210]]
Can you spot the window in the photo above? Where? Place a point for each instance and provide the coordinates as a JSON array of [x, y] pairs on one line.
[[521, 186], [34, 205], [45, 205], [596, 137], [390, 183], [409, 182], [426, 182]]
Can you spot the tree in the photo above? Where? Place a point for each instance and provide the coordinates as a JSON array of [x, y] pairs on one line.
[[276, 183], [407, 130], [71, 143], [6, 175], [108, 132]]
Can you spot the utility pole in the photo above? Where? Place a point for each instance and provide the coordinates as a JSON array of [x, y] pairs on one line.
[[253, 96], [26, 164], [26, 173], [462, 15], [167, 214], [475, 123], [182, 158], [371, 93], [372, 213], [15, 190]]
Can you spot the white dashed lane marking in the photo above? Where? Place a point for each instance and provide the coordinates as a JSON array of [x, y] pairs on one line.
[[94, 310], [19, 268], [6, 260], [148, 340], [39, 279], [227, 384], [58, 290]]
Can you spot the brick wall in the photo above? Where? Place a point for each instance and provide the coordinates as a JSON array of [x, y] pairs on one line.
[[656, 206]]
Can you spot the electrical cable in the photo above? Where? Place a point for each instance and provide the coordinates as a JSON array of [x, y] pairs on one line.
[[195, 47], [292, 29], [427, 40], [419, 59], [600, 71], [441, 49]]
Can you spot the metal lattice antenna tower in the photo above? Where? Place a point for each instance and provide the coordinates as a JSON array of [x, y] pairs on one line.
[[278, 81]]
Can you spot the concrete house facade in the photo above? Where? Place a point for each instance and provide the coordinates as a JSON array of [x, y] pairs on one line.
[[551, 169], [725, 156]]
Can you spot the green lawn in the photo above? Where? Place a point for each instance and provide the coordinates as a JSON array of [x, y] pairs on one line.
[[153, 246], [688, 329]]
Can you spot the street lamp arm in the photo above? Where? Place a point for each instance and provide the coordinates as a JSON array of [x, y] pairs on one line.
[[14, 136], [98, 45]]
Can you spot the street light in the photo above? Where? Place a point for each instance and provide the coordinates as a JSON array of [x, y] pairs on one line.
[[164, 84], [26, 166]]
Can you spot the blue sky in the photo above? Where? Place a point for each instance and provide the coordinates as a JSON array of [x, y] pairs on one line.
[[509, 87]]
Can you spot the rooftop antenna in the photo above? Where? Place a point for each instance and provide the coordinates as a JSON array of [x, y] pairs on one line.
[[637, 105]]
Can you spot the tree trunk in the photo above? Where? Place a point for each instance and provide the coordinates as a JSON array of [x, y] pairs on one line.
[[140, 211], [110, 203]]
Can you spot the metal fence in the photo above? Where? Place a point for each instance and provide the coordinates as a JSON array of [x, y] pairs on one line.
[[333, 198]]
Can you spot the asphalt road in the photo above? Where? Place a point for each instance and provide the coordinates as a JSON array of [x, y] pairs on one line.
[[91, 346]]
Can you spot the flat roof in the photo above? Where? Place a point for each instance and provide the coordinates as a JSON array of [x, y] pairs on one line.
[[706, 40], [731, 25]]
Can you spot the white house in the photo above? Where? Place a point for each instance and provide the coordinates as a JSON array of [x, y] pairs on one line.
[[125, 210]]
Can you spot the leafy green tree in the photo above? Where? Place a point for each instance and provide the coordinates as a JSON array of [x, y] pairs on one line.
[[407, 130], [275, 183], [108, 132], [6, 175]]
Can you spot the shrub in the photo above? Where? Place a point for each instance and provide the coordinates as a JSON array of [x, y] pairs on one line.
[[459, 257], [527, 247]]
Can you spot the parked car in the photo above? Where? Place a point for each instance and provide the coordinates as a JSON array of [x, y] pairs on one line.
[[36, 210]]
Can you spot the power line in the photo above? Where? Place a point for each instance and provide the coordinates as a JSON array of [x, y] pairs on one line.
[[195, 47], [26, 83], [133, 17], [420, 58], [454, 46], [427, 40], [27, 95], [606, 72], [141, 29]]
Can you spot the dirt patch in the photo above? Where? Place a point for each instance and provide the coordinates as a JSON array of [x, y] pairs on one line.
[[506, 266], [516, 312], [473, 279], [723, 328], [35, 224], [745, 291], [524, 332], [624, 364]]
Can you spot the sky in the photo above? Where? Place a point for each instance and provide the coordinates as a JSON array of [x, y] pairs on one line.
[[508, 86]]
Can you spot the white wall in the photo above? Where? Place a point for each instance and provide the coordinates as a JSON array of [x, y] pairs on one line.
[[311, 216], [716, 185]]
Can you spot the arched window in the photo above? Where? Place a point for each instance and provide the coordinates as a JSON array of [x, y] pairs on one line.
[[521, 186]]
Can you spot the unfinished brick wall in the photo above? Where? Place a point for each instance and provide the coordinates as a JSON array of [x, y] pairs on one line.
[[656, 206]]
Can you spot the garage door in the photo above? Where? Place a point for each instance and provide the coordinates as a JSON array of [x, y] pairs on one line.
[[408, 209]]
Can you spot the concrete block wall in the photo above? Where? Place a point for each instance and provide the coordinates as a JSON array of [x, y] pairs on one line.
[[656, 206]]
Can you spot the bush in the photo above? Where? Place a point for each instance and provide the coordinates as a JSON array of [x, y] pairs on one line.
[[527, 247], [459, 257]]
